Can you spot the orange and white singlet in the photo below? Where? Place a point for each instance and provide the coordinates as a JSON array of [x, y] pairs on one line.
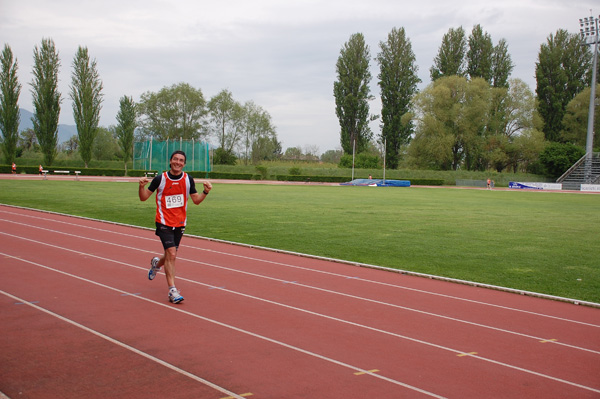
[[171, 200]]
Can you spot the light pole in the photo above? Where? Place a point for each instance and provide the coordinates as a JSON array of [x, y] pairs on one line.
[[588, 27]]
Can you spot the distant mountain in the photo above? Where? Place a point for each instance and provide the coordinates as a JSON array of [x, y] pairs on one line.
[[65, 132]]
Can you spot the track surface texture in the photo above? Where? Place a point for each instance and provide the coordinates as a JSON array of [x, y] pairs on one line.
[[79, 318]]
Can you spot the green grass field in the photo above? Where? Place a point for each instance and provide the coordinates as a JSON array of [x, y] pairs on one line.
[[535, 241]]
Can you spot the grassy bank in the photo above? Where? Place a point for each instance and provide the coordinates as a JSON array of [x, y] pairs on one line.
[[279, 168], [318, 169]]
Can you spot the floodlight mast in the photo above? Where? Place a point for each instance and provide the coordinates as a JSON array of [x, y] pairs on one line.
[[588, 27]]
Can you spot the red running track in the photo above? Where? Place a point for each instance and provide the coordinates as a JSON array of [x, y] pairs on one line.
[[80, 319]]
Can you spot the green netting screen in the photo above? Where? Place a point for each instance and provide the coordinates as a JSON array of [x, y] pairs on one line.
[[154, 155]]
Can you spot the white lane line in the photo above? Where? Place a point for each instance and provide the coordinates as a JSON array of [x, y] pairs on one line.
[[455, 351], [240, 330], [119, 343], [325, 290], [289, 265]]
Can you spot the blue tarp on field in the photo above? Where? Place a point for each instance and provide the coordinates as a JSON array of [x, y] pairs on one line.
[[378, 183]]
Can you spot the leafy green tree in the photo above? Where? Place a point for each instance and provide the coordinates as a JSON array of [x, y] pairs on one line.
[[512, 112], [293, 153], [575, 121], [106, 145], [561, 72], [174, 112], [265, 148], [227, 120], [398, 81], [502, 64], [453, 114], [525, 149], [450, 59], [28, 140], [10, 89], [71, 145], [86, 94], [352, 94], [259, 126], [480, 54], [126, 125], [332, 156], [475, 119], [46, 98]]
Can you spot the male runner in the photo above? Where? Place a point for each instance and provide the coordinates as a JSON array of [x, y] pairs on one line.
[[172, 191]]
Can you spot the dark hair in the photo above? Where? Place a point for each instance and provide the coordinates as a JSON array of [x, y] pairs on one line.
[[180, 153]]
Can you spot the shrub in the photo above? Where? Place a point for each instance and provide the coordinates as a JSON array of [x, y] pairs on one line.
[[222, 157], [557, 158], [361, 161], [262, 172], [295, 171]]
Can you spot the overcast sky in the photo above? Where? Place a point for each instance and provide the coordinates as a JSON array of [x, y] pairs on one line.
[[281, 54]]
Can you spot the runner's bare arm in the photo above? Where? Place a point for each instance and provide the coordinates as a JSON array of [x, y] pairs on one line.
[[197, 198], [143, 191]]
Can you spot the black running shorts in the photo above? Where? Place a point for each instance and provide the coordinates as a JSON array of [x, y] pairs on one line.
[[169, 236]]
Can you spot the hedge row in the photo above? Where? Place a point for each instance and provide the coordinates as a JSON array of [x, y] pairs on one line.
[[305, 178], [210, 175], [34, 170], [226, 176]]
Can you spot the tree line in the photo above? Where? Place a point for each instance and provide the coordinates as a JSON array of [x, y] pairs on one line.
[[472, 115], [85, 93], [176, 112]]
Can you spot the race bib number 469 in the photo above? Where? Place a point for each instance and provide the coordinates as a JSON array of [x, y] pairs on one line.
[[174, 201]]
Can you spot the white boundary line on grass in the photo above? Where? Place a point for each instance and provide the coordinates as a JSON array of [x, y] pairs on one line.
[[351, 263]]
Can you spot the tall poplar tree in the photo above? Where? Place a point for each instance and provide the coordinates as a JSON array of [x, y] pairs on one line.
[[352, 94], [125, 129], [502, 65], [46, 98], [10, 89], [86, 94], [479, 55], [398, 81], [450, 60], [561, 72]]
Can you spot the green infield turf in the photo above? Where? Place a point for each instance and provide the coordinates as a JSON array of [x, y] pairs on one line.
[[535, 241]]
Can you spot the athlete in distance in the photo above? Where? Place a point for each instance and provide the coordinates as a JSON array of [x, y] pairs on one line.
[[172, 191]]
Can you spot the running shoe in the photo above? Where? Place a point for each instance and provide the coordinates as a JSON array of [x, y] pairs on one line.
[[175, 296], [154, 268]]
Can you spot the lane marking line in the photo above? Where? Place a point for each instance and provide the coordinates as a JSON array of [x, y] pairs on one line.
[[225, 325], [285, 264], [125, 346], [308, 312], [466, 354], [548, 340], [299, 285], [499, 363]]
